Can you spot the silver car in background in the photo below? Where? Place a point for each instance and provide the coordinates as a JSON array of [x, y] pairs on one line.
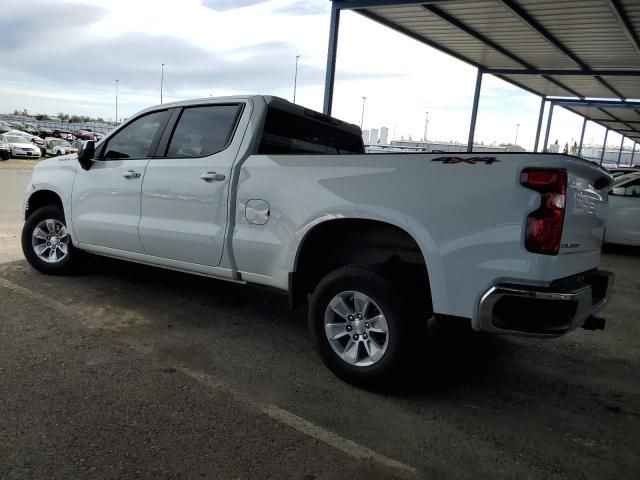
[[20, 146], [623, 225]]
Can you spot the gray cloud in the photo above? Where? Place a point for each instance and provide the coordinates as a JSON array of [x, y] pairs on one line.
[[20, 23], [222, 5], [71, 59], [305, 7]]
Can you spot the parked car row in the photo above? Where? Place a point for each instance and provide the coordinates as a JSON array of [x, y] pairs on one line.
[[15, 143], [43, 132]]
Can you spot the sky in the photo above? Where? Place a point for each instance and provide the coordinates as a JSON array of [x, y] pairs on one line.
[[65, 56]]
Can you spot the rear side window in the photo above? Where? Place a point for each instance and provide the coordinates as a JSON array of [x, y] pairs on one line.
[[203, 131], [287, 133], [135, 140]]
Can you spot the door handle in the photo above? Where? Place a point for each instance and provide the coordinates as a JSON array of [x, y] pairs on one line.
[[212, 176], [131, 174]]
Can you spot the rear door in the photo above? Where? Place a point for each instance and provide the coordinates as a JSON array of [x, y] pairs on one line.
[[106, 198], [185, 189]]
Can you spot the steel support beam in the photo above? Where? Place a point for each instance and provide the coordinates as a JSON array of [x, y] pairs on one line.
[[573, 73], [491, 44], [545, 147], [474, 110], [620, 151], [595, 103], [584, 127], [604, 146], [625, 23], [543, 101], [633, 153], [330, 76], [553, 40], [360, 4]]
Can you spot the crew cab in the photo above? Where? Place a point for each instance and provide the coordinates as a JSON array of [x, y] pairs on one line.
[[258, 190]]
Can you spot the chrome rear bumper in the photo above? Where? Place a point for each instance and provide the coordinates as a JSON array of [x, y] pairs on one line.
[[544, 312]]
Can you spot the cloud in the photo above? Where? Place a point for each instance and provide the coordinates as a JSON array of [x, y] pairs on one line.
[[305, 7], [21, 23], [223, 5], [135, 59]]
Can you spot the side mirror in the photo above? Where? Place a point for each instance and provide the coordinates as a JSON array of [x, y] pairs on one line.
[[618, 191], [86, 153]]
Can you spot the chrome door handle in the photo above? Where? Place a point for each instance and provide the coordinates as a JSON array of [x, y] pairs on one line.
[[131, 174], [211, 176]]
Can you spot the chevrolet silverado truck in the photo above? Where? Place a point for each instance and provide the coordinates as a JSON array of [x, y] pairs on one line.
[[257, 190]]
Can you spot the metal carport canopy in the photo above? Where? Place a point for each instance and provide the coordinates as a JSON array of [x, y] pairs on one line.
[[580, 49]]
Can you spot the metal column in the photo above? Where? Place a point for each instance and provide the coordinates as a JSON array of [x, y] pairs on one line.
[[474, 111], [330, 75], [620, 152], [584, 126], [604, 146], [540, 115], [545, 147], [633, 153]]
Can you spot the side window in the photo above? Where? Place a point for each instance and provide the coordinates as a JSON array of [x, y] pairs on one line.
[[135, 140], [286, 133], [203, 131], [632, 189]]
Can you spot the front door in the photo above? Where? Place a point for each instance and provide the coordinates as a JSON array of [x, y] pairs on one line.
[[106, 198], [184, 193]]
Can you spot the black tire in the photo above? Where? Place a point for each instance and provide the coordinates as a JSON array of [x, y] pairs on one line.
[[379, 375], [66, 265]]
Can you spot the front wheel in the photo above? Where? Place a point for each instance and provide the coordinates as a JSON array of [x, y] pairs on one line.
[[361, 326], [46, 243]]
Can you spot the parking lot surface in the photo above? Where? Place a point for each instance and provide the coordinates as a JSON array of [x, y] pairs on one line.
[[126, 371]]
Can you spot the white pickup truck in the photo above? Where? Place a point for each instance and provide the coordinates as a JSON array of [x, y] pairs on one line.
[[258, 190]]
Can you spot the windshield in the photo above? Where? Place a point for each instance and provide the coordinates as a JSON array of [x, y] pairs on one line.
[[61, 143], [625, 177], [16, 139]]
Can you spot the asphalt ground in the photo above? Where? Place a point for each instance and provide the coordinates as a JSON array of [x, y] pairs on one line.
[[126, 371]]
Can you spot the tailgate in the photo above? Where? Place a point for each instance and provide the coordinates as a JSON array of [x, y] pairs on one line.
[[586, 207]]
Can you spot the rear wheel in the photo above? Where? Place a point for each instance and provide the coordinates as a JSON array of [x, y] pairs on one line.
[[361, 327], [46, 243]]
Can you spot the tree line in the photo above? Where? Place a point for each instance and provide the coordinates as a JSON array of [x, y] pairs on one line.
[[63, 117]]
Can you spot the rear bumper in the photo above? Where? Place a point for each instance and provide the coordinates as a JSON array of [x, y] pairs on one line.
[[545, 312]]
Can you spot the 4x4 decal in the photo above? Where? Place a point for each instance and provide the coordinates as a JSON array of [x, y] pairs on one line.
[[470, 160]]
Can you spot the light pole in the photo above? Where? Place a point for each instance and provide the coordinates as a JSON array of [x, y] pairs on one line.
[[517, 129], [295, 79], [426, 126], [364, 100], [116, 102], [161, 81]]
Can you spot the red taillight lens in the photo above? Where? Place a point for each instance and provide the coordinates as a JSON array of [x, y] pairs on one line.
[[544, 226]]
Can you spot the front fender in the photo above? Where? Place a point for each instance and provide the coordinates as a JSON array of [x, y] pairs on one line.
[[55, 175]]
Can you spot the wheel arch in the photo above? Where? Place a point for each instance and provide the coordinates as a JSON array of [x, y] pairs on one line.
[[41, 198], [337, 242]]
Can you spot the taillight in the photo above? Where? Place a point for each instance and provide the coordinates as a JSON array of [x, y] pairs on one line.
[[544, 226]]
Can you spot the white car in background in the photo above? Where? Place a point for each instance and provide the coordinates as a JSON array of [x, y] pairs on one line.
[[21, 146], [57, 146], [623, 225]]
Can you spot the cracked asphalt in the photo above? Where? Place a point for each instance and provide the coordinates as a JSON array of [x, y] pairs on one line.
[[126, 371]]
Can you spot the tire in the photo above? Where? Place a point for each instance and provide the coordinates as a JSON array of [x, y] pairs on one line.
[[60, 263], [366, 371]]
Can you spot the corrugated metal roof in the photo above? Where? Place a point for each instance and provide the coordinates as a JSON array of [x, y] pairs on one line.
[[586, 49]]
